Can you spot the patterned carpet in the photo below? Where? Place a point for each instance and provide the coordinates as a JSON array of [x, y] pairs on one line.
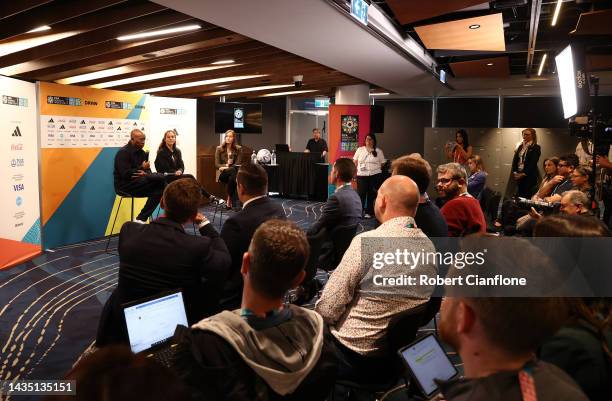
[[51, 305]]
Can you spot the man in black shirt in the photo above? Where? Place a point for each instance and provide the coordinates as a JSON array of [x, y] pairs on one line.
[[428, 217], [317, 144], [133, 174]]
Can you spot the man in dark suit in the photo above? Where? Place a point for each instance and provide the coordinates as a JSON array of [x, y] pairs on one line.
[[237, 231], [161, 256], [343, 207], [133, 174]]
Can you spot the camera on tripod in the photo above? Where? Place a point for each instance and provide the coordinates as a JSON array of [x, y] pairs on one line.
[[540, 206]]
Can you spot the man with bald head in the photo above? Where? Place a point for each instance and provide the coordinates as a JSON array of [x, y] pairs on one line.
[[358, 313], [133, 174]]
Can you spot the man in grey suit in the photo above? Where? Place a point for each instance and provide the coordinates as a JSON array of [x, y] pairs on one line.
[[343, 207]]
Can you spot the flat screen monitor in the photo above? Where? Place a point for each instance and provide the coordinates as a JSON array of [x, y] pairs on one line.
[[243, 118]]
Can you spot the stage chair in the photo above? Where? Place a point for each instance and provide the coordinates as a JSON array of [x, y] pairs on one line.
[[123, 195]]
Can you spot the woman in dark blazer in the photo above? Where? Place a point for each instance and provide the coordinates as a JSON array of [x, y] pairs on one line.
[[525, 164], [226, 158], [169, 162]]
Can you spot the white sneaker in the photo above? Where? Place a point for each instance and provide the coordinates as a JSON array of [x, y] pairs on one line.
[[216, 201], [139, 221]]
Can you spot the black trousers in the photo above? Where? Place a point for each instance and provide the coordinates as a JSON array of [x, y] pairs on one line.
[[151, 186], [367, 188], [172, 177], [228, 176], [527, 187]]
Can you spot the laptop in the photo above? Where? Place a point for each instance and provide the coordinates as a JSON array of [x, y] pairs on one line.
[[426, 360], [151, 323], [281, 147]]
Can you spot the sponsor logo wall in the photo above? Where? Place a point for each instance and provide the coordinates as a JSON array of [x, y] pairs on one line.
[[20, 237]]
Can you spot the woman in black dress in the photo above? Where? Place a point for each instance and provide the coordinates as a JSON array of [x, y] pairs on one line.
[[170, 162]]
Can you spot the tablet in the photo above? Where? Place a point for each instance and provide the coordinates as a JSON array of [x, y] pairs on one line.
[[426, 360]]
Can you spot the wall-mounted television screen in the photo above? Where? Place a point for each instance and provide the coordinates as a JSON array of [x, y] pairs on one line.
[[243, 118]]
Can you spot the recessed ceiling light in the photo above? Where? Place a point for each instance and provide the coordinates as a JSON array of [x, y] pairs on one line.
[[489, 64], [228, 61], [527, 85], [201, 83], [158, 75], [542, 63], [288, 93], [556, 14], [40, 29], [222, 86], [380, 94], [160, 32], [19, 45], [251, 89], [474, 26]]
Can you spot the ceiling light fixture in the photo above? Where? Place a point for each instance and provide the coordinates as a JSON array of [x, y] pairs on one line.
[[556, 14], [474, 26], [228, 61], [160, 32], [489, 64], [380, 94], [251, 89], [527, 85], [40, 29], [289, 93], [201, 83], [158, 75], [542, 64]]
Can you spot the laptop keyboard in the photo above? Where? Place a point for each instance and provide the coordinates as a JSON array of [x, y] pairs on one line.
[[165, 356]]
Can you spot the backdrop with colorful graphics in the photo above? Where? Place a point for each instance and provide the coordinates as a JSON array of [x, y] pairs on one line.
[[19, 200], [81, 131]]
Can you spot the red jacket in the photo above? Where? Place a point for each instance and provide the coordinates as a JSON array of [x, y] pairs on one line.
[[464, 216]]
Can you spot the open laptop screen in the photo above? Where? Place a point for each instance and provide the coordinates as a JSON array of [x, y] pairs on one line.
[[152, 322]]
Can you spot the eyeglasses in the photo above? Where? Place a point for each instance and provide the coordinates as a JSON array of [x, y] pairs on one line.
[[445, 181]]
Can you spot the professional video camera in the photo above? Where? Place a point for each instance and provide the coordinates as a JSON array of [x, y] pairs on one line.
[[540, 206]]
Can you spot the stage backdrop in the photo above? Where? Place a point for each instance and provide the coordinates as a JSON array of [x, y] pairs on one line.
[[19, 194]]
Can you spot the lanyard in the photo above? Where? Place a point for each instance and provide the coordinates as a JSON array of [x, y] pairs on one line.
[[245, 312], [527, 383]]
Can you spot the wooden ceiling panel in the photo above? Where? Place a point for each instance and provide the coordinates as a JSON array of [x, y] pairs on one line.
[[594, 23], [496, 67], [599, 62], [457, 35], [49, 14], [93, 47], [410, 11]]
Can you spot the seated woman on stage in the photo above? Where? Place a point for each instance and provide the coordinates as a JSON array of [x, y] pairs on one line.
[[170, 162], [226, 158]]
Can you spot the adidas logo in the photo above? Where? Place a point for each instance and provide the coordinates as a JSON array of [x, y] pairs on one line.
[[92, 128], [135, 125], [82, 121], [62, 127], [51, 121], [110, 123], [119, 129], [17, 132]]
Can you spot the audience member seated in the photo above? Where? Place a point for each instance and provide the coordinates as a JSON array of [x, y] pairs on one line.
[[582, 347], [496, 337], [169, 161], [478, 177], [581, 180], [342, 209], [264, 351], [115, 373], [570, 225], [428, 217], [572, 203], [525, 164], [550, 171], [562, 182], [461, 210], [161, 256], [359, 320], [237, 231], [132, 174]]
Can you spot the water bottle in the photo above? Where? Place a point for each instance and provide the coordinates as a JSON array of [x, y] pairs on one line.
[[253, 158], [273, 161]]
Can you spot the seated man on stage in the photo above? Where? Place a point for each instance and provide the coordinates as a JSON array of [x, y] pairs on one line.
[[133, 174], [317, 144]]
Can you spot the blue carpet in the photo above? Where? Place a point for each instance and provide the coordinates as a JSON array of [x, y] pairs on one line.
[[50, 306]]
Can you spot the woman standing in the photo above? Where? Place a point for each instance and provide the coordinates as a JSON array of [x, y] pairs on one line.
[[226, 158], [461, 150], [525, 164], [169, 161], [369, 160], [478, 176]]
